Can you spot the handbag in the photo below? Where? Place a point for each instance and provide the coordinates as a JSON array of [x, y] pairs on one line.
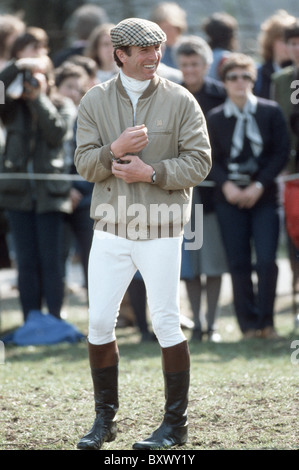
[[291, 207]]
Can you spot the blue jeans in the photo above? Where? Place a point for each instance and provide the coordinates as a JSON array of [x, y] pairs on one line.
[[38, 243], [243, 231]]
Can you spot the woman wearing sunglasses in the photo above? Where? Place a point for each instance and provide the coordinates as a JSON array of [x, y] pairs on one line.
[[250, 147]]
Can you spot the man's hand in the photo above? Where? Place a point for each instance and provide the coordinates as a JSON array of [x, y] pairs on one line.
[[135, 171], [131, 141]]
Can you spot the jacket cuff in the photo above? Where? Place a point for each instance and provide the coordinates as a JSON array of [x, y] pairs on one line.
[[105, 157], [160, 173]]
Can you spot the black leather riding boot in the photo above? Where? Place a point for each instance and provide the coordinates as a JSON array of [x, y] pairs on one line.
[[105, 384], [174, 427]]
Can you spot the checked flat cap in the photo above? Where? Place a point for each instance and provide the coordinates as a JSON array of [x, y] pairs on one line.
[[136, 32]]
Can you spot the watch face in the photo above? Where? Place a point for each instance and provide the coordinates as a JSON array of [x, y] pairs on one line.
[[154, 177]]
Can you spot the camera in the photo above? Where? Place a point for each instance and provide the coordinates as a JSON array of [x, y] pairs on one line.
[[30, 79]]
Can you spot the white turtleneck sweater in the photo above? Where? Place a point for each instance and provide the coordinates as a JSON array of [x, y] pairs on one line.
[[133, 87]]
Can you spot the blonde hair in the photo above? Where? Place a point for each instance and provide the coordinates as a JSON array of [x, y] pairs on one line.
[[172, 13]]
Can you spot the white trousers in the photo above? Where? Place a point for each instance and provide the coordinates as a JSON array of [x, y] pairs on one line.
[[113, 262]]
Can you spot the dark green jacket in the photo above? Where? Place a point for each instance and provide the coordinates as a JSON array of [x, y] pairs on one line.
[[36, 133], [282, 93]]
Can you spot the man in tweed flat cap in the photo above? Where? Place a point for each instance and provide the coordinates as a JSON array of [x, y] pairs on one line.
[[137, 32], [142, 140]]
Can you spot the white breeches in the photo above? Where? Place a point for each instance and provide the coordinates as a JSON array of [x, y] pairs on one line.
[[112, 264]]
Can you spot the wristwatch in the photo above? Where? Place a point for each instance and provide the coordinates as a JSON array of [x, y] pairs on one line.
[[154, 177], [259, 185], [112, 155]]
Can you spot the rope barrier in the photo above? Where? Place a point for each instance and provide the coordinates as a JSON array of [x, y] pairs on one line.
[[67, 177], [41, 176]]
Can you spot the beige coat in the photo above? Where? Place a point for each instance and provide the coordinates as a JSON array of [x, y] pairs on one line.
[[178, 149]]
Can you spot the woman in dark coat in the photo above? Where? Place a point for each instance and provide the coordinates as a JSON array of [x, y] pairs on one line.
[[250, 148]]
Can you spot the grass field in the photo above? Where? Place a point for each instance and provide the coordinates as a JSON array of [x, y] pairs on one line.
[[243, 394]]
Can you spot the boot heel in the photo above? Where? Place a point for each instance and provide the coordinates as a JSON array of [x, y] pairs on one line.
[[113, 434]]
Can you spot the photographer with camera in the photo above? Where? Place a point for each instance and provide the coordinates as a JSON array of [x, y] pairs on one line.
[[37, 122], [250, 148]]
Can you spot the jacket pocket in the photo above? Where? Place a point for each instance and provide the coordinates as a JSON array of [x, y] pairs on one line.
[[162, 144]]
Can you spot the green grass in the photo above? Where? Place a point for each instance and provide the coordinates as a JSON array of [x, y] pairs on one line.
[[243, 394]]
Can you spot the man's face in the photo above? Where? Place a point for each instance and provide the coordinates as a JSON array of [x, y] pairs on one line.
[[142, 63]]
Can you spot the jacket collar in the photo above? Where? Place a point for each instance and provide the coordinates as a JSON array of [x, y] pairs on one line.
[[146, 94]]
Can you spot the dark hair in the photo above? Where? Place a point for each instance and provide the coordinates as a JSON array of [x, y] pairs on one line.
[[292, 31], [67, 70], [86, 62], [221, 28], [35, 36], [126, 49]]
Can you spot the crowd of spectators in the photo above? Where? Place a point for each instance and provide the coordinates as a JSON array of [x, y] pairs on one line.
[[254, 132]]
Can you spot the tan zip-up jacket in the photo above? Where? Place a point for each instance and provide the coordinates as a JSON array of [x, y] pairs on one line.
[[178, 150]]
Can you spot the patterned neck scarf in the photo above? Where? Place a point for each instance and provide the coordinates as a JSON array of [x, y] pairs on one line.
[[245, 125]]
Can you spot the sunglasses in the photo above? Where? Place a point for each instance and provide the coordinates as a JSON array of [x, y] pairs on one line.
[[233, 77]]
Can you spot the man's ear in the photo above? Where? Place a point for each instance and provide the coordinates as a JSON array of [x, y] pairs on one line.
[[122, 56]]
